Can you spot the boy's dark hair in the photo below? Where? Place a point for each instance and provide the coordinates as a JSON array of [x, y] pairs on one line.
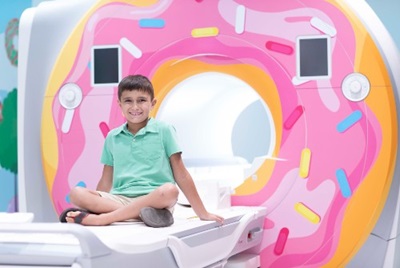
[[135, 82]]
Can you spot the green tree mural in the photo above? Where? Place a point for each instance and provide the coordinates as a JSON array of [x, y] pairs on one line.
[[8, 133]]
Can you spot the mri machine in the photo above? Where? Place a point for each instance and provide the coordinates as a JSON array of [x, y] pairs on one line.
[[291, 107]]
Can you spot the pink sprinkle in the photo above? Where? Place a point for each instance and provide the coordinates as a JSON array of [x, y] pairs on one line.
[[298, 19], [278, 47], [293, 117], [281, 241], [104, 128]]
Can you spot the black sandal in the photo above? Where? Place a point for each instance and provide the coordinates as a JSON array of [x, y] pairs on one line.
[[77, 219]]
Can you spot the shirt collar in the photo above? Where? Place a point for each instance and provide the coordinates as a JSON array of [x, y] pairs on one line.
[[151, 126]]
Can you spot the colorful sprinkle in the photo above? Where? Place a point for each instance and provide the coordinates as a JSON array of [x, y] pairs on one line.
[[349, 121], [130, 47], [151, 23], [343, 183], [205, 32], [281, 241], [81, 184], [278, 47], [322, 26], [305, 162], [104, 128], [307, 213], [293, 117], [240, 19]]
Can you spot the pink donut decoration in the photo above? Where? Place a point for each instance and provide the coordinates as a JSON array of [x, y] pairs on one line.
[[332, 153]]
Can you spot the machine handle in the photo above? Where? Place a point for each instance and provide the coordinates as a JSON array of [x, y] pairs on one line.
[[188, 256]]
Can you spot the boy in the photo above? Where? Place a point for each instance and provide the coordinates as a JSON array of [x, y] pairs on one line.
[[142, 161]]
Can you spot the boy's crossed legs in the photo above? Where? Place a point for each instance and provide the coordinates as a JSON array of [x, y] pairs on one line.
[[153, 207]]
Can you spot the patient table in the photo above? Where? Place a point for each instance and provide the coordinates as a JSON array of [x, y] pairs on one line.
[[188, 243]]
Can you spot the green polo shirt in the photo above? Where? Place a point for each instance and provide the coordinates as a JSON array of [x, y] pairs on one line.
[[140, 161]]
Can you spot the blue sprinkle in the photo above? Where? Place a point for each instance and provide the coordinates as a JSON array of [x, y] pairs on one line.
[[151, 23], [349, 121], [67, 199], [81, 184], [343, 182]]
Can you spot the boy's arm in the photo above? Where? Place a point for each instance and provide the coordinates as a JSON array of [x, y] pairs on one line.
[[105, 183], [185, 182]]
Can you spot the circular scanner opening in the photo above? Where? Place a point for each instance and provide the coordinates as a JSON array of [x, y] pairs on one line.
[[220, 120]]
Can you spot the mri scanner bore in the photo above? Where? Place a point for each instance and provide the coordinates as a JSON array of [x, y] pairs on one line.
[[295, 96], [224, 114]]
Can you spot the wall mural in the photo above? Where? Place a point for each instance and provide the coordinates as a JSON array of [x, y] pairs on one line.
[[9, 21], [10, 12]]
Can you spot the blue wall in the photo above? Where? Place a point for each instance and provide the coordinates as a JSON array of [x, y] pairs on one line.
[[388, 11]]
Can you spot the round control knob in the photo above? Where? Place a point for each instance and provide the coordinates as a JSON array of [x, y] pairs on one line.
[[70, 97], [355, 87]]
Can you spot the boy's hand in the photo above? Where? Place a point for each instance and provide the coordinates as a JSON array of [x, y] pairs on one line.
[[212, 217]]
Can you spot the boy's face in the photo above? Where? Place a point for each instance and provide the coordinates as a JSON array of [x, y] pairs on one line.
[[136, 105]]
